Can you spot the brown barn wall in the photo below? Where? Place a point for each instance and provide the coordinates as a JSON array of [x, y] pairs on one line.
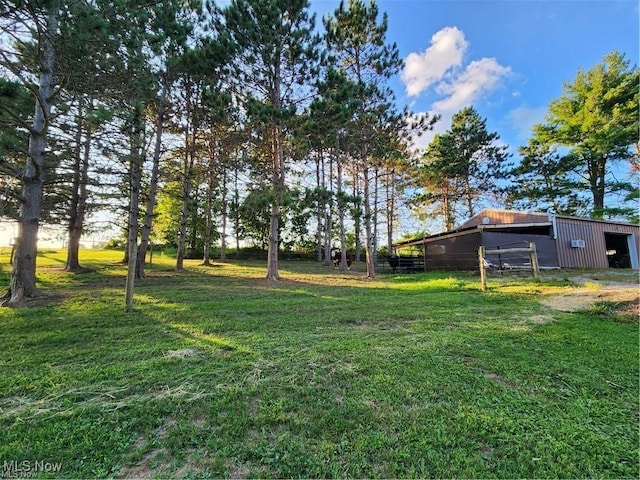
[[593, 255], [458, 252], [545, 247]]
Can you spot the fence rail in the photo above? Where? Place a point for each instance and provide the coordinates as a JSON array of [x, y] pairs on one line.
[[485, 264]]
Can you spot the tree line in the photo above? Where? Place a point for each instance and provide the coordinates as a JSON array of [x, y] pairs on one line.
[[195, 123]]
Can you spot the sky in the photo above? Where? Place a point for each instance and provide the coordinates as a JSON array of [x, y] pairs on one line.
[[507, 58]]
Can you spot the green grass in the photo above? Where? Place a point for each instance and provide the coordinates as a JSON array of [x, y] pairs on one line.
[[219, 373]]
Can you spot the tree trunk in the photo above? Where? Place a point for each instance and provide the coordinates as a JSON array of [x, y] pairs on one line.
[[225, 213], [277, 181], [391, 208], [23, 272], [341, 211], [78, 204], [236, 209], [134, 203], [153, 188], [469, 197], [448, 215], [193, 216], [186, 183], [208, 225], [319, 211], [278, 186], [208, 217], [356, 217], [225, 208], [328, 221], [371, 272], [374, 215], [597, 182]]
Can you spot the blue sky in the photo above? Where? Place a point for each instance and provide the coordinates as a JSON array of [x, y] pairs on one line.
[[508, 59]]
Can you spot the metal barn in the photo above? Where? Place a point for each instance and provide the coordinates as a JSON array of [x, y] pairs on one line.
[[561, 242]]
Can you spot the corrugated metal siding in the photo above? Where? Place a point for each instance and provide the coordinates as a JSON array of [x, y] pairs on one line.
[[499, 217], [545, 246], [457, 252], [593, 255]]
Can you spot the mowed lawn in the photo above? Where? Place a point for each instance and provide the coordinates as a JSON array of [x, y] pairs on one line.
[[219, 373]]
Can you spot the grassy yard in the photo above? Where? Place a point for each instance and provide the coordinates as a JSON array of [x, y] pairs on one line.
[[219, 373]]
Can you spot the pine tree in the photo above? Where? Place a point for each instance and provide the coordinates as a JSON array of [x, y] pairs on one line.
[[275, 55], [476, 158], [597, 118], [141, 32], [460, 167], [330, 115], [544, 180], [42, 21], [356, 43]]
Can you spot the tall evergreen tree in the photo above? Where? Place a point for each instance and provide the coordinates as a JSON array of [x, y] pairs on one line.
[[437, 178], [41, 20], [544, 180], [276, 52], [330, 115], [357, 45], [142, 32], [476, 158], [460, 167], [597, 118], [84, 47]]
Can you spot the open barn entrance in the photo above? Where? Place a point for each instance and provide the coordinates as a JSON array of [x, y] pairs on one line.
[[619, 249]]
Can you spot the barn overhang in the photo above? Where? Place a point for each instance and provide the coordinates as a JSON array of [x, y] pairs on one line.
[[539, 228]]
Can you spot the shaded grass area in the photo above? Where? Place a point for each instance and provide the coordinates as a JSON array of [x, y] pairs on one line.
[[219, 373]]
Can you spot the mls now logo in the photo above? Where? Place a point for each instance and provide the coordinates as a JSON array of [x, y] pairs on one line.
[[28, 468]]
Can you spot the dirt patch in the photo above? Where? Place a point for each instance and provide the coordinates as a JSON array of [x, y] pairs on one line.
[[238, 472], [541, 319], [149, 465], [41, 300], [499, 379], [616, 287], [631, 309], [185, 353], [583, 298]]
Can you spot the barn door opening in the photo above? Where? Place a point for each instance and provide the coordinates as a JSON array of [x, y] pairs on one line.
[[620, 250]]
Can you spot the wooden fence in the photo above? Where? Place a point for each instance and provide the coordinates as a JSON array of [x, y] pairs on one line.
[[485, 264]]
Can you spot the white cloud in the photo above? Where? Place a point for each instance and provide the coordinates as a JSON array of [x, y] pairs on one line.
[[441, 67], [421, 70], [480, 76], [524, 118]]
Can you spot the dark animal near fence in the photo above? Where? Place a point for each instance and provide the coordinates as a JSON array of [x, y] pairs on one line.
[[406, 264]]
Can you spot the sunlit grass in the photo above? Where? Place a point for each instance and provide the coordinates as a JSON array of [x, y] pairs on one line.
[[220, 373]]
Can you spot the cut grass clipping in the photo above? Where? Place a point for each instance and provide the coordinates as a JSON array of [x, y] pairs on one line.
[[219, 373]]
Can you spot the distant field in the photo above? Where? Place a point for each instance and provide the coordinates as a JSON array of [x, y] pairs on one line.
[[219, 373]]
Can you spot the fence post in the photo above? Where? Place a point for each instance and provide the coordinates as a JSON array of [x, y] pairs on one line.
[[424, 256], [533, 254], [483, 273]]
